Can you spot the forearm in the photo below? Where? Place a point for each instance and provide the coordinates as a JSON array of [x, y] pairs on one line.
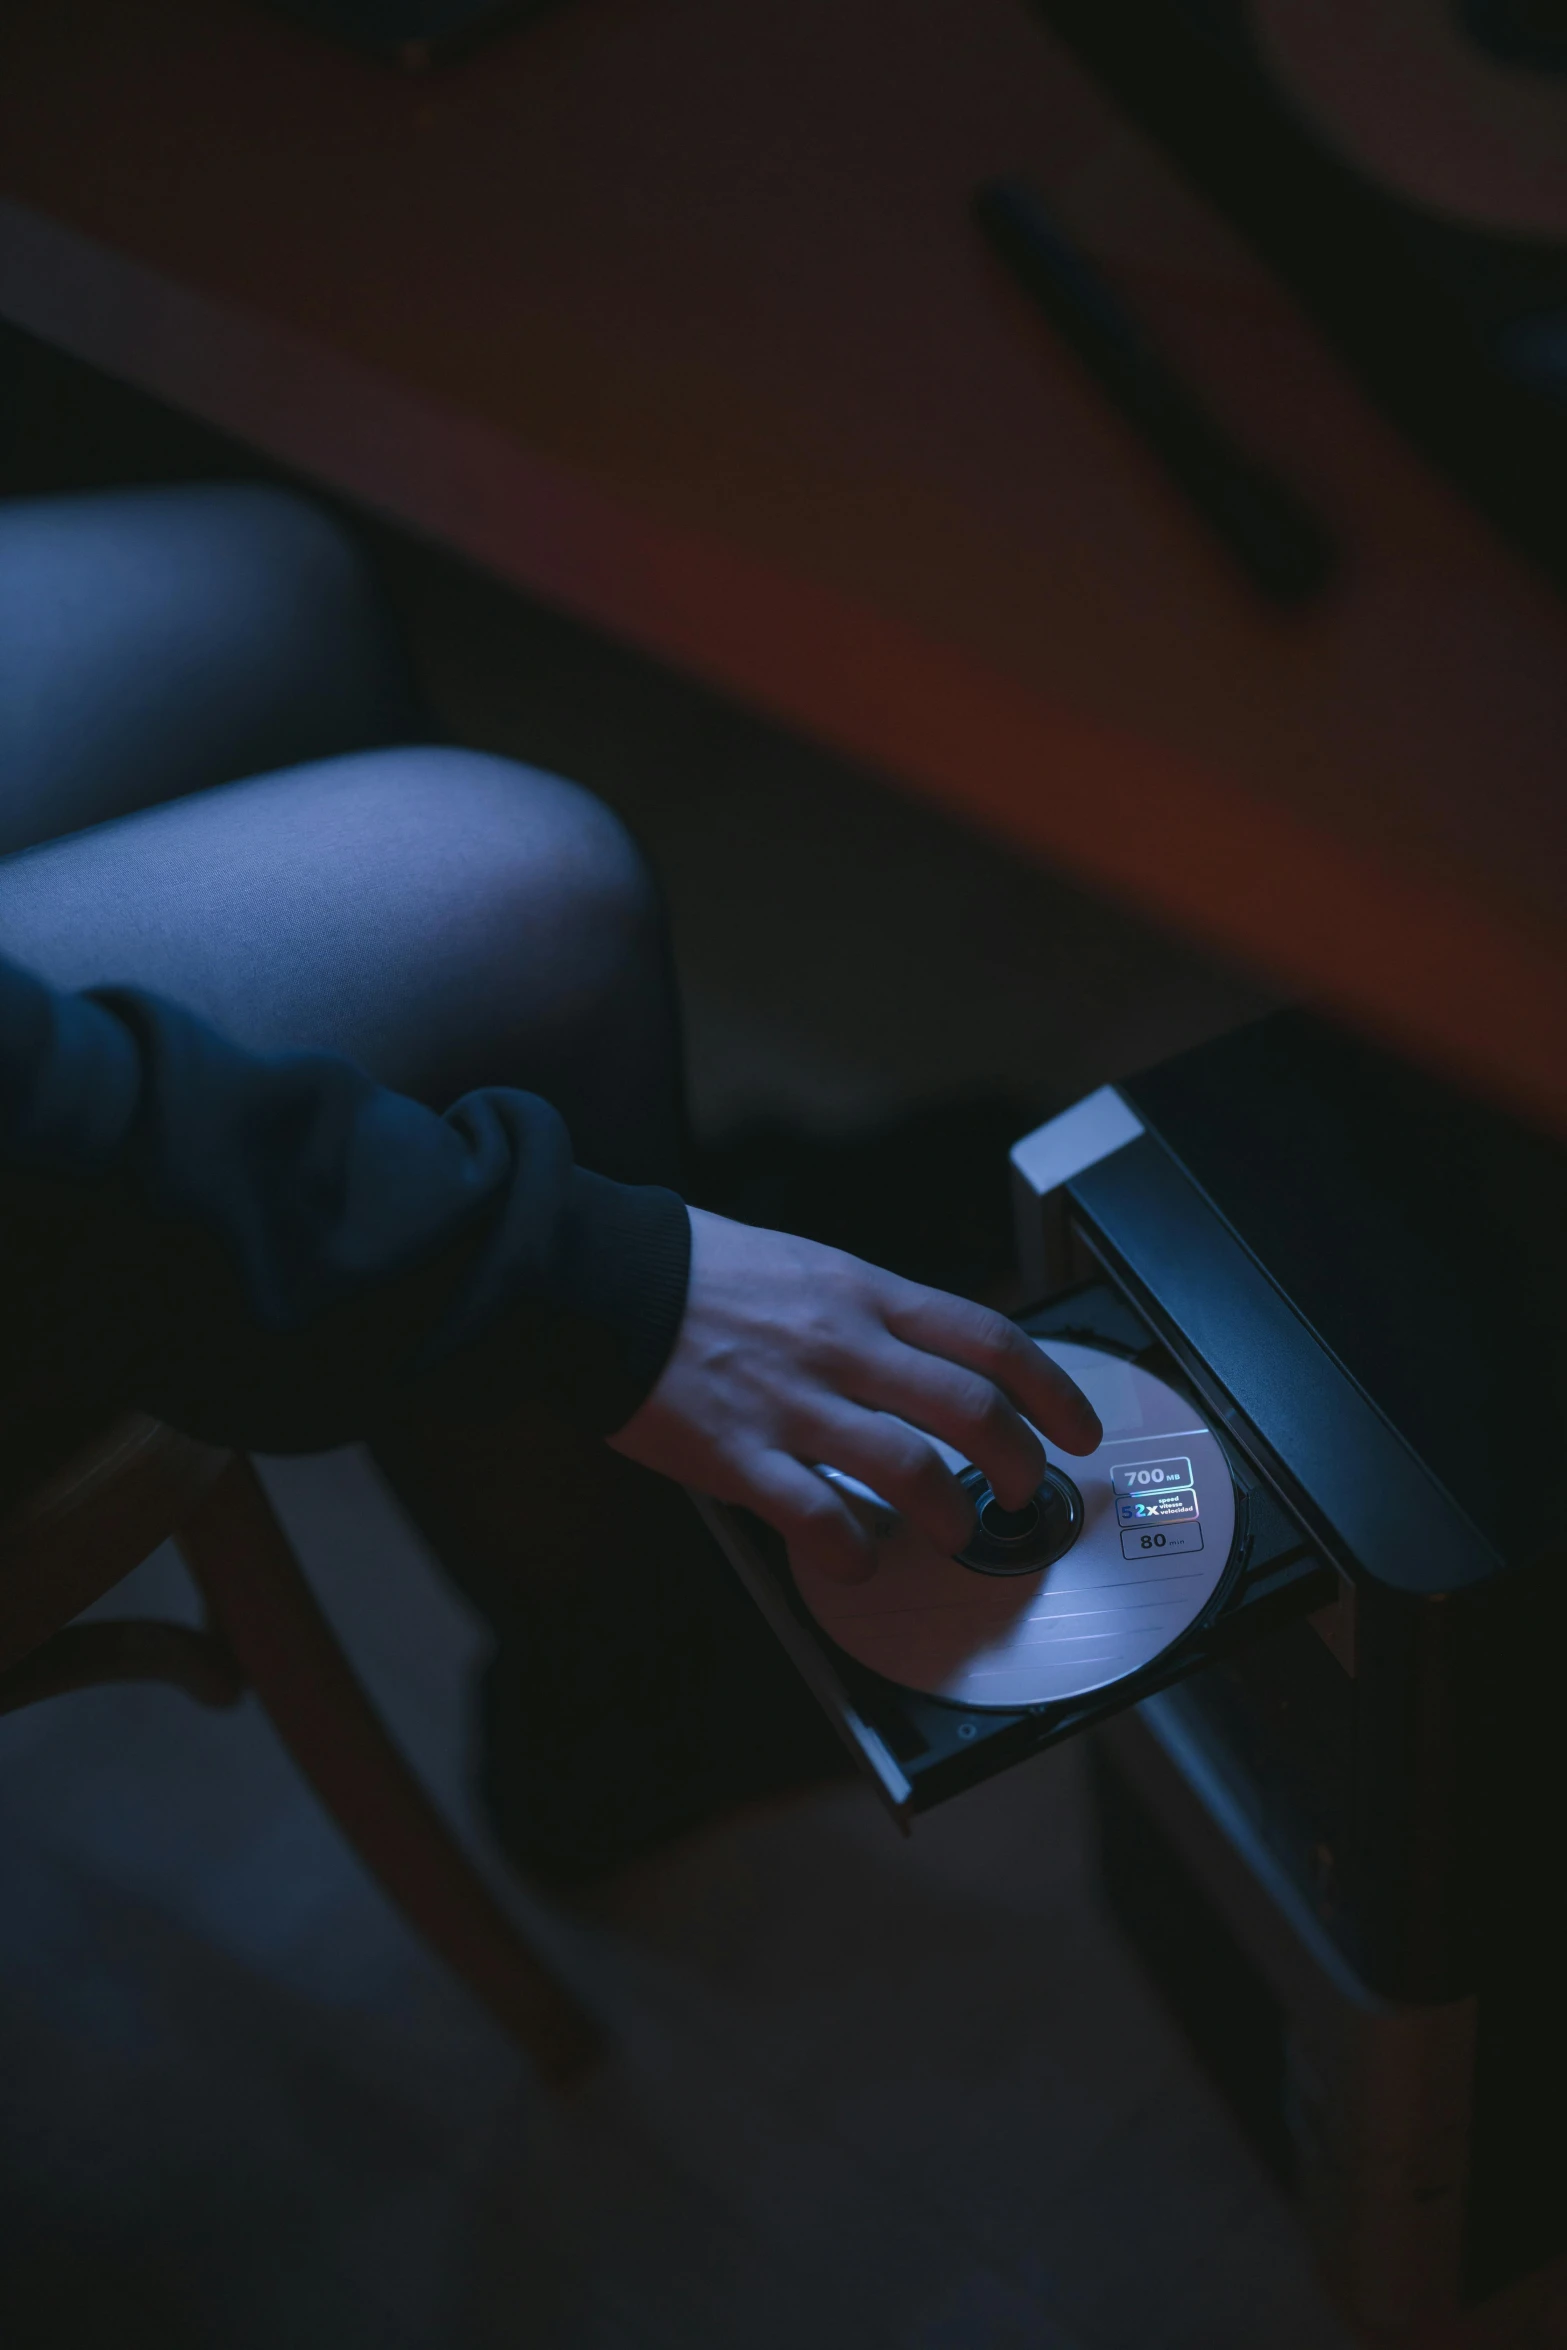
[[274, 1250]]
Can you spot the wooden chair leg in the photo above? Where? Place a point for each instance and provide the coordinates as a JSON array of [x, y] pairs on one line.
[[264, 1610]]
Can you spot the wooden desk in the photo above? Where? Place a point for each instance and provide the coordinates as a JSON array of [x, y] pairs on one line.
[[669, 310]]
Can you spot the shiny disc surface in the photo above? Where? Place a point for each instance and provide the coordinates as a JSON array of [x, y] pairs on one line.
[[1158, 1525]]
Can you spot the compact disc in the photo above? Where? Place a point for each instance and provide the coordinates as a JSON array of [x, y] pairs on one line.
[[1157, 1525]]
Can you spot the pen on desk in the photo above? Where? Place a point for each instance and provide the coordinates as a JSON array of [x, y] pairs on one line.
[[1284, 549]]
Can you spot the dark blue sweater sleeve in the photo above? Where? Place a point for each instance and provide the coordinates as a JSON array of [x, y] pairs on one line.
[[271, 1250]]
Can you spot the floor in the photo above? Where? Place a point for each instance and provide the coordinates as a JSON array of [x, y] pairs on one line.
[[868, 2094]]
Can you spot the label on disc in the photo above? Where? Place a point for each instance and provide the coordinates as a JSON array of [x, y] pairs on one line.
[[1158, 1524]]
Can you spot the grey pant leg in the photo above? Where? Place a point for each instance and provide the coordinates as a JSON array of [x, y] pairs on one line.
[[446, 919]]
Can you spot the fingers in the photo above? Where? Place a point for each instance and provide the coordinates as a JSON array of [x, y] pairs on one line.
[[961, 1332], [820, 1530], [897, 1462], [964, 1409]]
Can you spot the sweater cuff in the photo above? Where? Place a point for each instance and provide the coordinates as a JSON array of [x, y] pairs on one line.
[[625, 1261], [589, 1342]]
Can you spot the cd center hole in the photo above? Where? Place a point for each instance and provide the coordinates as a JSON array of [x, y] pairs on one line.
[[1009, 1525]]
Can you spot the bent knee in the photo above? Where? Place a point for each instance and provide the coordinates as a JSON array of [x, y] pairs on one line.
[[281, 540], [523, 852], [523, 819], [299, 575]]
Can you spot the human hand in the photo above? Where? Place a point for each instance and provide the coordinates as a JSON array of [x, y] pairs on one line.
[[791, 1353]]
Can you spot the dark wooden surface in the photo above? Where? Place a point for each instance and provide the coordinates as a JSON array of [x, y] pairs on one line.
[[672, 313]]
